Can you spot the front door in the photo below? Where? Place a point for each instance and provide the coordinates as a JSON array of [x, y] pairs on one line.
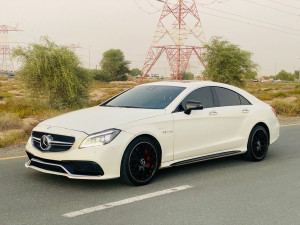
[[194, 133]]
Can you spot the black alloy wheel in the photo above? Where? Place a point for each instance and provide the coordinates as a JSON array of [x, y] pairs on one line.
[[258, 144], [140, 161]]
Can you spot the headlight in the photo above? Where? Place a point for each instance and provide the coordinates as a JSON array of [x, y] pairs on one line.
[[101, 138]]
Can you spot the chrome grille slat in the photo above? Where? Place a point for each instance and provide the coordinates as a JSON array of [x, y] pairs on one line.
[[58, 143], [54, 142], [61, 142]]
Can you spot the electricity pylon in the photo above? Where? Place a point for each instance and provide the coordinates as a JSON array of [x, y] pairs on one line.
[[179, 22], [5, 50]]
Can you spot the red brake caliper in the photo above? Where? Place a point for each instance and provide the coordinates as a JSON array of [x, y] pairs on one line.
[[148, 158]]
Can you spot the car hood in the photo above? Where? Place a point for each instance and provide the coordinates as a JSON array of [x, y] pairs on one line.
[[98, 118]]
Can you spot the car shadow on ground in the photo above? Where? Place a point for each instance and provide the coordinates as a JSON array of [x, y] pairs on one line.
[[165, 177]]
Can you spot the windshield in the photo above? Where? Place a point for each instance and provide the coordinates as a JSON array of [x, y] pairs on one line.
[[147, 97]]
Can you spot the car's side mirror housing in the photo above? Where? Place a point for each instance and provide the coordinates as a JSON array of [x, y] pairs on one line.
[[192, 105]]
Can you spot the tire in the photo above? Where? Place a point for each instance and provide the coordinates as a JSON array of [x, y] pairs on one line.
[[140, 161], [258, 144]]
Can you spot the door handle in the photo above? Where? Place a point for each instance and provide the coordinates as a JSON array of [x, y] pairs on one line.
[[245, 110], [213, 113]]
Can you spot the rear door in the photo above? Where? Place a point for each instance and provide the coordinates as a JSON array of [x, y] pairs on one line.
[[230, 117]]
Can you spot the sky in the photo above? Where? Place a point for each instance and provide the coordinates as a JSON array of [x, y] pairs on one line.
[[272, 33]]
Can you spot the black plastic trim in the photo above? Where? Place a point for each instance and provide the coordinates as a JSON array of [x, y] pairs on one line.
[[75, 167], [47, 167], [215, 96], [207, 157]]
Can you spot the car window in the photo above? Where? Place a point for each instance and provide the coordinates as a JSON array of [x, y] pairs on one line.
[[227, 97], [147, 97], [203, 95], [244, 101]]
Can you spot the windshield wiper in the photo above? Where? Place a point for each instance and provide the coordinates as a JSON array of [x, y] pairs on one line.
[[130, 106], [123, 106], [108, 105]]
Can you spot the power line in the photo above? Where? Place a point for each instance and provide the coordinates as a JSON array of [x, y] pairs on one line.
[[213, 2], [249, 18], [142, 9], [251, 24], [153, 6], [237, 15], [274, 8], [284, 4]]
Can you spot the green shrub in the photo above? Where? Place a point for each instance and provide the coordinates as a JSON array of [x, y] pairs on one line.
[[27, 108], [268, 89], [21, 107], [188, 76], [227, 62], [101, 75], [279, 94], [53, 73], [4, 94], [286, 76], [115, 64], [9, 121], [263, 96], [284, 108], [294, 92], [12, 138]]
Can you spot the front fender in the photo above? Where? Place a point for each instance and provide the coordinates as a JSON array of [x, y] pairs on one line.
[[159, 127]]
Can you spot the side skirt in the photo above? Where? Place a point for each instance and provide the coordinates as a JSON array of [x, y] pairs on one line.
[[206, 157]]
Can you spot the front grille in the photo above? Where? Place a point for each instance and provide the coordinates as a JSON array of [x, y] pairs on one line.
[[58, 143]]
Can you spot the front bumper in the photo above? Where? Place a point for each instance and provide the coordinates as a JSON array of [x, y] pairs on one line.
[[71, 169], [95, 163]]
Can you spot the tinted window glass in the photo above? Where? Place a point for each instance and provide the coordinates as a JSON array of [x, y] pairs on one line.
[[203, 95], [227, 97], [148, 97], [244, 101]]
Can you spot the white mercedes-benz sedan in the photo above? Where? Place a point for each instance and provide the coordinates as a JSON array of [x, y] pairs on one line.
[[153, 126]]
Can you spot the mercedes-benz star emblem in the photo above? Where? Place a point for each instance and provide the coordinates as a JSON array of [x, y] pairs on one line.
[[45, 142]]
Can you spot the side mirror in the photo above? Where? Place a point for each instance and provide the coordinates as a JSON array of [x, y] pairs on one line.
[[192, 105]]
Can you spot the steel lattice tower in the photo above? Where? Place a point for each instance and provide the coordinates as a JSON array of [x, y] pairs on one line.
[[179, 21], [5, 51]]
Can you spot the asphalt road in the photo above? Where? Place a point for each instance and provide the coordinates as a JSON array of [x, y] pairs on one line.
[[224, 191]]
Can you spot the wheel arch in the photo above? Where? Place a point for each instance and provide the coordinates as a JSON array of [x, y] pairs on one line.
[[264, 126], [154, 140]]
